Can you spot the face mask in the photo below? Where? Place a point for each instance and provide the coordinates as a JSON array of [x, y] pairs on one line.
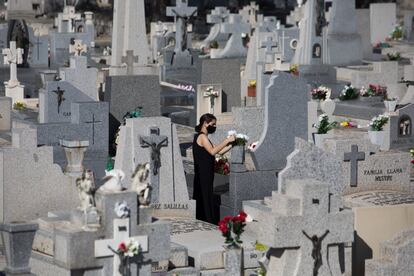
[[211, 129]]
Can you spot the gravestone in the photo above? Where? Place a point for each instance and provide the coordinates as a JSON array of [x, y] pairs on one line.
[[344, 44], [129, 34], [383, 19], [234, 47], [88, 122], [5, 113], [68, 19], [39, 55], [284, 94], [395, 256], [80, 76], [31, 168], [409, 24], [127, 93], [207, 101], [310, 49], [288, 42], [56, 99], [13, 56], [400, 130], [172, 198], [60, 43], [307, 229]]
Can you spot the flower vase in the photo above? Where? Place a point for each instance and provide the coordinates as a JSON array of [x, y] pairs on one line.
[[237, 154], [390, 105], [251, 91], [233, 260], [320, 138], [376, 137]]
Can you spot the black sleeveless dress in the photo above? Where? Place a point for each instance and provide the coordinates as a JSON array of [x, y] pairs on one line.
[[206, 205]]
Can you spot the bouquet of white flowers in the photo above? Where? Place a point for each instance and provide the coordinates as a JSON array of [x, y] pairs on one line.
[[241, 139]]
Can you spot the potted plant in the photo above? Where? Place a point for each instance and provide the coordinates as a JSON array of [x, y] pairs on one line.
[[238, 150], [394, 56], [376, 133], [390, 104], [251, 88], [322, 128], [348, 93], [396, 33], [320, 94]]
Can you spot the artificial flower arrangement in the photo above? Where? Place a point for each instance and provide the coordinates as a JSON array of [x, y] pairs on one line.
[[294, 69], [252, 146], [373, 90], [348, 124], [232, 227], [323, 125], [252, 83], [412, 156], [125, 251], [241, 139], [382, 45], [321, 93], [349, 93], [396, 33], [221, 165], [394, 56], [378, 123], [19, 105]]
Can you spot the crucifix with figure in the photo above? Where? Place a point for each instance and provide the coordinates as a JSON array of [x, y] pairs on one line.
[[13, 56], [106, 248], [129, 60], [182, 13], [354, 157], [155, 141], [93, 122], [59, 93], [77, 48]]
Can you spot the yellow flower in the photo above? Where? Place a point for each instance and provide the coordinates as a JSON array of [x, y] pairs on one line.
[[344, 124], [252, 83]]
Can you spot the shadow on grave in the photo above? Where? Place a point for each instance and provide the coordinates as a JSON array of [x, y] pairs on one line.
[[360, 253]]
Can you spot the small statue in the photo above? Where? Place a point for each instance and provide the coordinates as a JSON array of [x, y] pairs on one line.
[[122, 210], [316, 251], [86, 187], [141, 185], [112, 180]]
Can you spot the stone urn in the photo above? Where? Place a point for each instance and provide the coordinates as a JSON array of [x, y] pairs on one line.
[[376, 137], [237, 154], [75, 151], [390, 105], [233, 260], [17, 239]]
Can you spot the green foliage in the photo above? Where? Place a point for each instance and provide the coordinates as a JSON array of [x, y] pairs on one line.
[[323, 125]]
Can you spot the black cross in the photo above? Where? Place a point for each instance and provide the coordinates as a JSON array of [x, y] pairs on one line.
[[93, 122], [60, 97], [353, 157]]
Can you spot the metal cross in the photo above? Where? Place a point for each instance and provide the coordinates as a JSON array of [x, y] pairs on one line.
[[93, 122], [60, 98], [129, 59], [353, 157]]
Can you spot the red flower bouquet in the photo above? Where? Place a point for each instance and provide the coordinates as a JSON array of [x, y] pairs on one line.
[[221, 165], [232, 227]]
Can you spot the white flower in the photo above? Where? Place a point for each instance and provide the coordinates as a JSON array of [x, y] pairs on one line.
[[231, 132], [249, 218], [252, 146]]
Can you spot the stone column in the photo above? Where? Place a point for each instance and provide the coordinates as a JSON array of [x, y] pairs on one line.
[[17, 239], [75, 151]]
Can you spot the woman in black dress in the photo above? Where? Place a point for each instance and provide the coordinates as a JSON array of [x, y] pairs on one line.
[[204, 154]]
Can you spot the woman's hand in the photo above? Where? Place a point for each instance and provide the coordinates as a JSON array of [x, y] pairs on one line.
[[230, 139]]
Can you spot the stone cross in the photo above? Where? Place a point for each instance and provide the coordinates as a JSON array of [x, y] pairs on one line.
[[104, 248], [218, 15], [269, 44], [38, 43], [12, 57], [154, 141], [129, 60], [353, 157], [77, 48], [93, 122], [70, 16], [181, 13]]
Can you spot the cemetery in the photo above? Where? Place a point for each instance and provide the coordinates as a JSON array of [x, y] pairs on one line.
[[201, 138]]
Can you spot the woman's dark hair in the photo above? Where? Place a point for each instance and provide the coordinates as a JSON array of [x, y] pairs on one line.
[[204, 118]]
